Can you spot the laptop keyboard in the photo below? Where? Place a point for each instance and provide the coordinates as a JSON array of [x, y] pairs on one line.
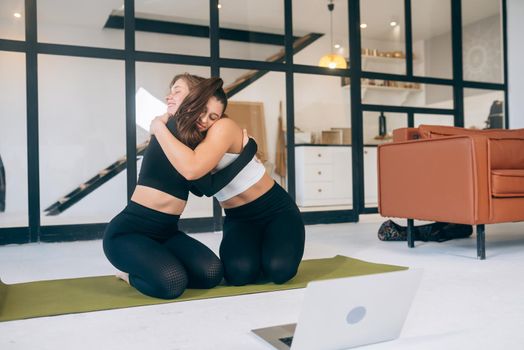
[[286, 340]]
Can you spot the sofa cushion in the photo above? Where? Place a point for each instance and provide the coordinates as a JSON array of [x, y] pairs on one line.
[[506, 153], [507, 183]]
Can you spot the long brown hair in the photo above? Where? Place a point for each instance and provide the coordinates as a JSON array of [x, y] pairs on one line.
[[193, 106]]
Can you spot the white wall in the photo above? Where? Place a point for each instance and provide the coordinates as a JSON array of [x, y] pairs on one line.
[[515, 67], [13, 140]]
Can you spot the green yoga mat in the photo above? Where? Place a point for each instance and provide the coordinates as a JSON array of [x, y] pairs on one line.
[[66, 296]]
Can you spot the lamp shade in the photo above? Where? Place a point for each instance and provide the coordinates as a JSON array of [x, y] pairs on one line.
[[333, 61]]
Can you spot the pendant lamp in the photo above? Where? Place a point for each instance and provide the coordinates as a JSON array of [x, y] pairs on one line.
[[332, 60]]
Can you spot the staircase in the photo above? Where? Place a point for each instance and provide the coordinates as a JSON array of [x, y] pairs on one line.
[[114, 169]]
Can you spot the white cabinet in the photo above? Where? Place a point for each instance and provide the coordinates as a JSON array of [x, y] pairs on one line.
[[370, 176], [323, 175]]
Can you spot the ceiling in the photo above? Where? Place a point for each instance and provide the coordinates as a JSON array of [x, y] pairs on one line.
[[430, 17]]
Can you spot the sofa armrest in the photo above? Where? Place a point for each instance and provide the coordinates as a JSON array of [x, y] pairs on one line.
[[429, 179]]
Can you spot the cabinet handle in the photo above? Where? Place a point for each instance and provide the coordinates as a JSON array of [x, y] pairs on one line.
[[365, 152], [319, 155], [319, 172], [319, 190]]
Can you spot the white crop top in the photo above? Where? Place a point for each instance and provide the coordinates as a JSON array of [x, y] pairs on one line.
[[247, 177]]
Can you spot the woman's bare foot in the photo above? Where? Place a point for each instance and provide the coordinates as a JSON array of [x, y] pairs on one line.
[[124, 276]]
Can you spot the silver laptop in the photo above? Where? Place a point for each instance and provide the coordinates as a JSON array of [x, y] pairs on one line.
[[347, 312]]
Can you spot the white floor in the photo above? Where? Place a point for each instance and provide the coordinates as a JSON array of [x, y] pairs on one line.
[[462, 303]]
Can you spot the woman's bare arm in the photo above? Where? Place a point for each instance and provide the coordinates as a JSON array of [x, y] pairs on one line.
[[193, 164]]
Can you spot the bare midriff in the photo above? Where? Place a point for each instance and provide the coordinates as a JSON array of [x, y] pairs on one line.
[[154, 199], [258, 189]]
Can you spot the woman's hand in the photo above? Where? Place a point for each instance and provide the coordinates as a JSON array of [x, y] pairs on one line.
[[158, 122], [164, 117], [245, 138]]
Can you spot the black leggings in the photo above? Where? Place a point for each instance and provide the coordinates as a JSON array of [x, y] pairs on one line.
[[161, 260], [264, 237]]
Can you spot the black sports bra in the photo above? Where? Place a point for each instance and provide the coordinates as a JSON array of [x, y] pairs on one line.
[[158, 172]]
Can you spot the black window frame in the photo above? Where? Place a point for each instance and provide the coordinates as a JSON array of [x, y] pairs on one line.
[[35, 232]]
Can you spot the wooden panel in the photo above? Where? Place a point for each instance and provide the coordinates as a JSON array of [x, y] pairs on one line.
[[250, 116]]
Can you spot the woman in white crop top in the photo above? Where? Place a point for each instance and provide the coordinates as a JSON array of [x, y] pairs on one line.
[[263, 233]]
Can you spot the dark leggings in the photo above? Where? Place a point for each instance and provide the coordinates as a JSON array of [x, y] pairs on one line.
[[263, 238], [161, 260]]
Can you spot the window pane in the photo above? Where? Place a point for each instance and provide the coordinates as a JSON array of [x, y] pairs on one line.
[[251, 29], [378, 129], [82, 138], [400, 93], [432, 38], [323, 138], [382, 33], [433, 119], [482, 40], [13, 141], [152, 85], [313, 18], [180, 27], [483, 109], [79, 22], [12, 21]]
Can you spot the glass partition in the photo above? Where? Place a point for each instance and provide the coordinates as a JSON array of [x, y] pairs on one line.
[[12, 19], [82, 139], [431, 27], [313, 20], [400, 93], [252, 29], [323, 143], [433, 119], [383, 36], [13, 141], [482, 41], [484, 109], [179, 27], [378, 129], [96, 23], [379, 126]]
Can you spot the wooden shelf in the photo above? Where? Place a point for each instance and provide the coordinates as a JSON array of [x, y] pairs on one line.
[[384, 58], [383, 88], [390, 88]]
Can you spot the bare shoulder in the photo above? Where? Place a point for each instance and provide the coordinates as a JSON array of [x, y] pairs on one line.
[[224, 125], [227, 132]]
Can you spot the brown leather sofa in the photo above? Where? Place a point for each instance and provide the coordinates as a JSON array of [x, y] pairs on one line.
[[455, 175]]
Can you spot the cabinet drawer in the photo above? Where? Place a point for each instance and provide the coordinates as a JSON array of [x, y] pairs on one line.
[[323, 193], [317, 155], [327, 190], [318, 190], [318, 172]]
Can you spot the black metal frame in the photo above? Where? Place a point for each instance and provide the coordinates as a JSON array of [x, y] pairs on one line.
[[31, 47]]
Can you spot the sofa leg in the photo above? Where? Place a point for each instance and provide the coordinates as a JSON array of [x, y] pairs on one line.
[[410, 238], [481, 242]]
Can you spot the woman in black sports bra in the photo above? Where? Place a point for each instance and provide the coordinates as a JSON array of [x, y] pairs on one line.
[[143, 241]]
